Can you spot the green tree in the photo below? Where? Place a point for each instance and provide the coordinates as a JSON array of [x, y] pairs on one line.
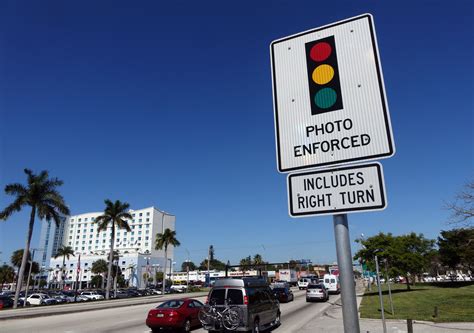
[[101, 267], [246, 263], [456, 248], [42, 196], [16, 260], [65, 252], [406, 255], [97, 281], [258, 260], [7, 275], [116, 215], [184, 266], [163, 240]]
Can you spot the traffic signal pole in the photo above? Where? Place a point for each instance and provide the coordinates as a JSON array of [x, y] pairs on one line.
[[350, 315]]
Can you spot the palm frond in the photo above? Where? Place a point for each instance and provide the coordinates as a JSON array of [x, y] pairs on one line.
[[16, 189], [15, 206]]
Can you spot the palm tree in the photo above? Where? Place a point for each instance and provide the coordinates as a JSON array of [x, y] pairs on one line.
[[64, 251], [257, 260], [7, 275], [168, 237], [100, 267], [115, 213], [46, 202]]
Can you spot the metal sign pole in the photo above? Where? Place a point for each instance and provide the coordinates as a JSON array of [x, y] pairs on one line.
[[344, 260]]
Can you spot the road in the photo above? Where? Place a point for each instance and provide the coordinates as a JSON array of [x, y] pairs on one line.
[[131, 319]]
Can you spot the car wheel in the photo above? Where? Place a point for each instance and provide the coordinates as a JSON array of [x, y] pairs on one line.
[[256, 326], [187, 326], [155, 330]]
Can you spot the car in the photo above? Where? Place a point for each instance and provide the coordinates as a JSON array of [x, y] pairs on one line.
[[283, 294], [178, 288], [331, 282], [316, 292], [175, 314], [92, 295], [303, 283], [7, 302], [260, 310], [40, 299]]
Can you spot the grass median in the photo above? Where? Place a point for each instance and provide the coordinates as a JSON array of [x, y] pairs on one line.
[[454, 302]]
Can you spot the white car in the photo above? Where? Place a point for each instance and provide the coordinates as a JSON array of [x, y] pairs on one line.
[[179, 288], [40, 299], [91, 295]]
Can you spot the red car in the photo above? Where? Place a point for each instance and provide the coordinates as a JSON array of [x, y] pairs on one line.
[[175, 314]]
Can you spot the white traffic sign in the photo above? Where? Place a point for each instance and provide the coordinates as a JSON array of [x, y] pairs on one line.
[[336, 191], [329, 97]]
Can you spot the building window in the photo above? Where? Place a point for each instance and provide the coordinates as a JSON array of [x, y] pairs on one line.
[[72, 220], [147, 213], [90, 242], [133, 233], [146, 244], [140, 226], [70, 237], [85, 219], [83, 236], [83, 242], [146, 238], [89, 247], [83, 248], [139, 232], [139, 238], [147, 226], [103, 241], [148, 220], [78, 231], [79, 220], [133, 215], [147, 231], [97, 241], [92, 230], [75, 248], [141, 214], [123, 262], [140, 220], [70, 243]]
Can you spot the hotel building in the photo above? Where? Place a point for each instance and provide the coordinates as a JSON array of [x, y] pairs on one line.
[[136, 248]]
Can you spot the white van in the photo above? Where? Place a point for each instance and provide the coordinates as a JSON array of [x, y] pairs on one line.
[[303, 283], [331, 282]]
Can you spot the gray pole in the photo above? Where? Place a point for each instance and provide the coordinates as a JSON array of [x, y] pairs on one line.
[[389, 289], [380, 294], [344, 260]]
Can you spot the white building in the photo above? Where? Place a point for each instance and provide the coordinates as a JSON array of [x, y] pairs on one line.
[[136, 248]]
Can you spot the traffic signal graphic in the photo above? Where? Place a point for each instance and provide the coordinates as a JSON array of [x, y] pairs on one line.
[[323, 76]]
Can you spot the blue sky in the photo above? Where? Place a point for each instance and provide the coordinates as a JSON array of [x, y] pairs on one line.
[[170, 105]]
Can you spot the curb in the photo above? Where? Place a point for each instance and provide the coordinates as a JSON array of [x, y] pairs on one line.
[[52, 310]]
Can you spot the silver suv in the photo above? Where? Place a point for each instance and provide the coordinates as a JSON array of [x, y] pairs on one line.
[[260, 309]]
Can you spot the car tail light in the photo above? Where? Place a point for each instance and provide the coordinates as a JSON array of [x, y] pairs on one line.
[[246, 300], [173, 314]]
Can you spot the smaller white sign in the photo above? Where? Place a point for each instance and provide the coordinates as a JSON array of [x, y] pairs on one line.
[[340, 190]]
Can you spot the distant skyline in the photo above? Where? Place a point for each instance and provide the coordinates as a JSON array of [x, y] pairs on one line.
[[170, 105]]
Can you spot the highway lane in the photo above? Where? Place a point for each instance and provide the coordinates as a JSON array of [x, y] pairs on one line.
[[131, 319]]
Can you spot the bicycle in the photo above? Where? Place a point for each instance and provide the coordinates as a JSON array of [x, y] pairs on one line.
[[230, 317]]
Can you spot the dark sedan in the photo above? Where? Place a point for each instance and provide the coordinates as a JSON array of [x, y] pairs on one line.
[[283, 294]]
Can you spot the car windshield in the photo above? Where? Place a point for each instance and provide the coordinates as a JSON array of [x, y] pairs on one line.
[[173, 304], [279, 290]]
